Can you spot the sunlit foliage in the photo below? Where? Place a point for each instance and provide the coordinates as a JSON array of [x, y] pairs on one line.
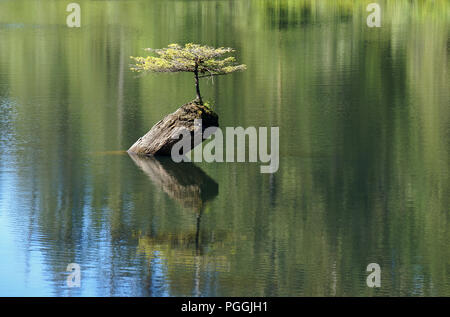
[[201, 60]]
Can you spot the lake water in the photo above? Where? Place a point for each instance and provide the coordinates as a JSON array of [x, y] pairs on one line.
[[364, 124]]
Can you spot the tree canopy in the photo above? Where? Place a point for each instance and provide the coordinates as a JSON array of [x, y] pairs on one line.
[[202, 60]]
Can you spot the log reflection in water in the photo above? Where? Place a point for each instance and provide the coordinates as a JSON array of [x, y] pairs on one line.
[[192, 188], [184, 182]]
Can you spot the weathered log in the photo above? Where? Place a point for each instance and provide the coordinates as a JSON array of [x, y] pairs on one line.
[[164, 134]]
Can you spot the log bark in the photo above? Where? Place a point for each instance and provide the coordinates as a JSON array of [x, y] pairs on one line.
[[164, 134]]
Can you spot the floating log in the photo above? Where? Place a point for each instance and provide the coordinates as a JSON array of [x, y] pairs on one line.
[[164, 134]]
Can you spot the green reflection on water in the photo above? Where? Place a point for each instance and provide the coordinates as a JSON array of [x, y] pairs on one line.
[[364, 170]]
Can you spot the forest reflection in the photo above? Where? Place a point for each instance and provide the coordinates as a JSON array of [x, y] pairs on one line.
[[364, 153]]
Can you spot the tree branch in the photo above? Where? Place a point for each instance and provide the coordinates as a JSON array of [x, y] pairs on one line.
[[211, 75]]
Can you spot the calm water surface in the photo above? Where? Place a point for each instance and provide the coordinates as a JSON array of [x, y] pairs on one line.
[[364, 151]]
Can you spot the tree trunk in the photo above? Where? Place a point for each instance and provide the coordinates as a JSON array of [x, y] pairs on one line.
[[197, 85]]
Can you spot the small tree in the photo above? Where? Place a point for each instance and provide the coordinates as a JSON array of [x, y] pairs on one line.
[[194, 58]]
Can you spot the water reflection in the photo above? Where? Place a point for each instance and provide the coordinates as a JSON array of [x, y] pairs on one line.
[[184, 182], [364, 154], [193, 189]]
